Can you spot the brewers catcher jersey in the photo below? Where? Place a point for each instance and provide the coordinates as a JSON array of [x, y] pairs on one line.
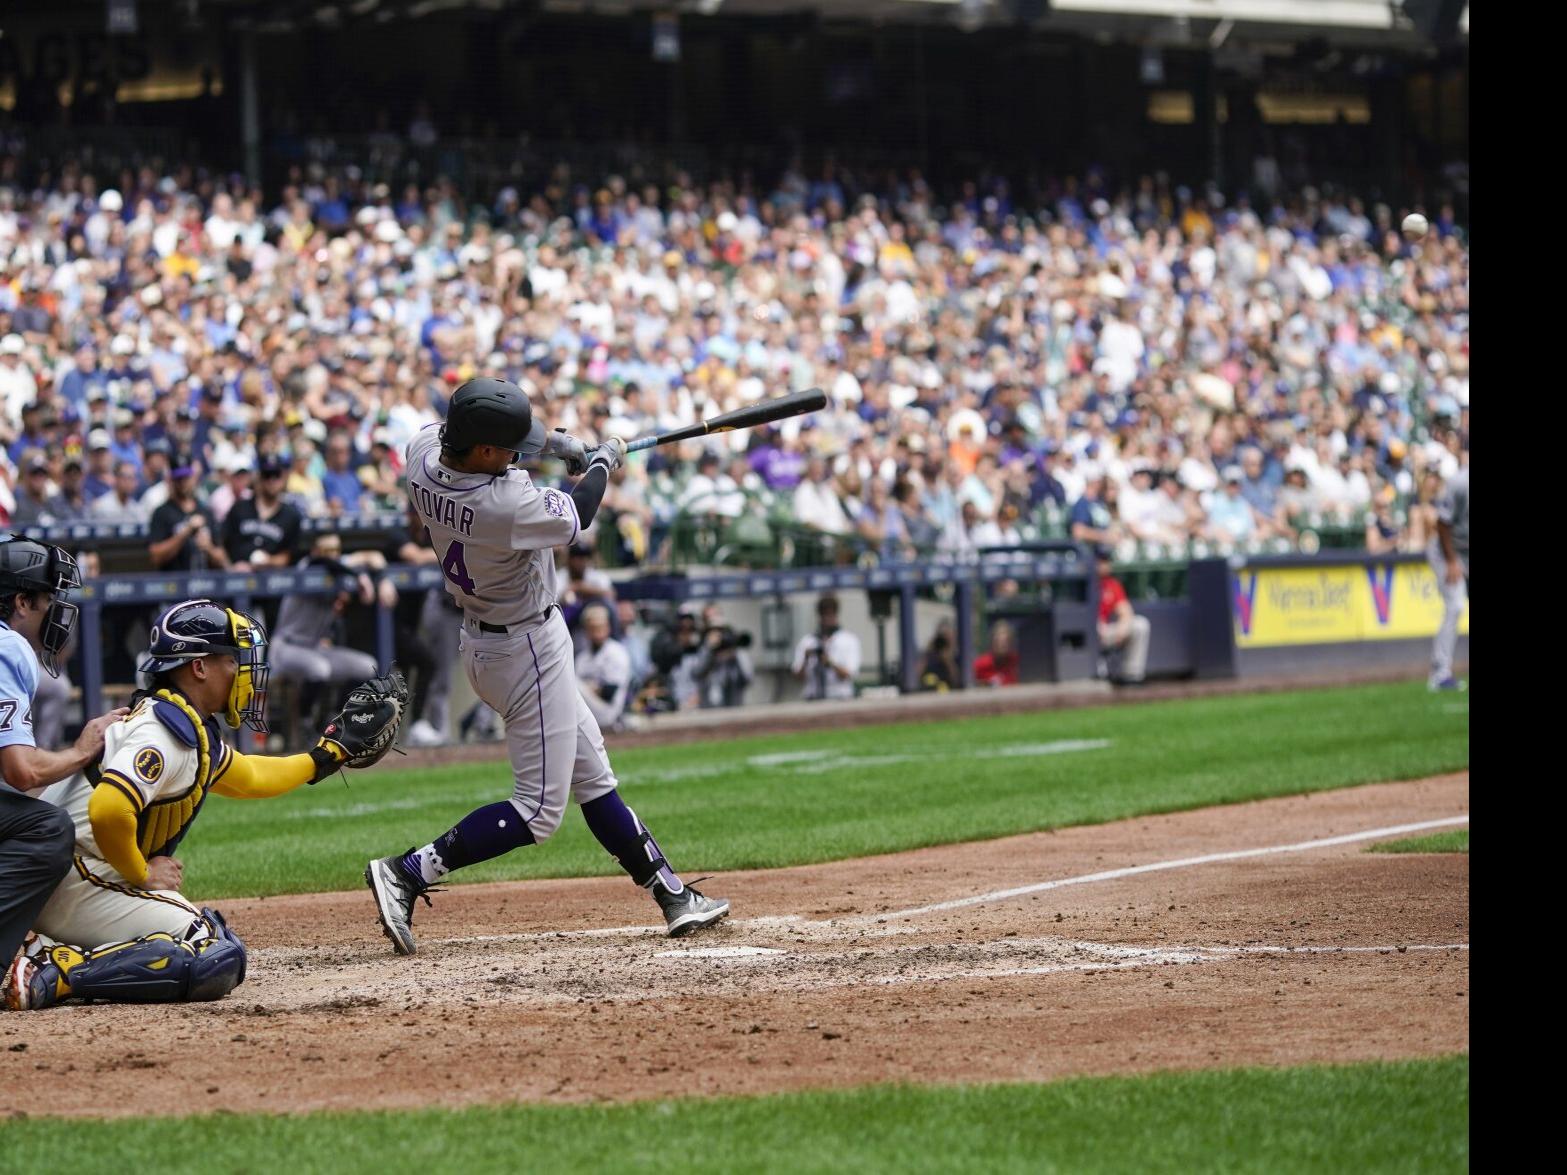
[[495, 535], [164, 758]]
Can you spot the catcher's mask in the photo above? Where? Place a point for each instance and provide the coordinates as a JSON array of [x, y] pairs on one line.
[[29, 566], [205, 628]]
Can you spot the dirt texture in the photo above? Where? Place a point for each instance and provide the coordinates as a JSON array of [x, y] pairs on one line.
[[825, 975]]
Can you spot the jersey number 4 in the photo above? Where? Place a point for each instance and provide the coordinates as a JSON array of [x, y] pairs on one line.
[[456, 570]]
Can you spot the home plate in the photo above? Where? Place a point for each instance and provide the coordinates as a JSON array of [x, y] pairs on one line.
[[718, 953]]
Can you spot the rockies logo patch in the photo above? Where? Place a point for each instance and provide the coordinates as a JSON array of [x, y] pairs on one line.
[[554, 504], [149, 764]]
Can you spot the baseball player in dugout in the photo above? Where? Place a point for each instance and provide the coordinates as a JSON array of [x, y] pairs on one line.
[[494, 532], [116, 927]]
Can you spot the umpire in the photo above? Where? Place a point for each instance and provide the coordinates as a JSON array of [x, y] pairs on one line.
[[36, 839]]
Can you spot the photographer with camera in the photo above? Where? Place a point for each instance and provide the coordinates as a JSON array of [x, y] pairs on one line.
[[723, 669], [675, 651], [603, 668], [827, 659]]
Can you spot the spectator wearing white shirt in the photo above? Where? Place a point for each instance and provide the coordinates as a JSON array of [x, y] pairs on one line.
[[828, 659], [1000, 531], [816, 502], [603, 668], [121, 504], [959, 541], [18, 387], [702, 495]]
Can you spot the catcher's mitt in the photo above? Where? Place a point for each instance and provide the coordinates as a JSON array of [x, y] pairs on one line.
[[364, 729]]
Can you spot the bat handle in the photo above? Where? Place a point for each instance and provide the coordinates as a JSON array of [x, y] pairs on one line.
[[641, 443]]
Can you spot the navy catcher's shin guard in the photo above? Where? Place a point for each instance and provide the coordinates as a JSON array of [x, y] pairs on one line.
[[219, 965], [160, 969]]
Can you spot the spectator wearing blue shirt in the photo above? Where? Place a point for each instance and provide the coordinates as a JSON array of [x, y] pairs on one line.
[[100, 466], [82, 378], [1230, 516], [33, 434], [1091, 520], [331, 211], [344, 491], [1258, 491], [125, 446]]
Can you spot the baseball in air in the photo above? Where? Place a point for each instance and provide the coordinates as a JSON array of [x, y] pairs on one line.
[[1415, 226]]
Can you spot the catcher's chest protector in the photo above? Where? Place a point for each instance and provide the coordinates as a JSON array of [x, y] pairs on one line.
[[177, 757]]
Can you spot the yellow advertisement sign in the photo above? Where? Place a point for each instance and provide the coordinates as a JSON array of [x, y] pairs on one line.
[[1332, 604]]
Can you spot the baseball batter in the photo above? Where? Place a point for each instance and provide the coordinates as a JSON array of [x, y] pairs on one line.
[[117, 927], [494, 532]]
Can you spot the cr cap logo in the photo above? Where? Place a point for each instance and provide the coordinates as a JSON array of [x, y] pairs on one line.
[[554, 504], [149, 764]]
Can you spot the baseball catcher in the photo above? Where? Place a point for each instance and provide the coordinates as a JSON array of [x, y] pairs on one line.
[[117, 927]]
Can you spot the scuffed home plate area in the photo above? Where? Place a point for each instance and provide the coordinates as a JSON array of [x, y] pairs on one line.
[[824, 975]]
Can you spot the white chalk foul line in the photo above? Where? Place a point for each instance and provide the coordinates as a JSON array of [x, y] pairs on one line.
[[996, 895], [797, 922], [1002, 895]]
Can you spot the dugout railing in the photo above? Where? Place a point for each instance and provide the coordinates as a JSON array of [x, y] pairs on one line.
[[1217, 627]]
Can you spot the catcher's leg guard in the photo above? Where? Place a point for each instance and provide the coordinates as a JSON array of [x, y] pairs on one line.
[[157, 969], [219, 965]]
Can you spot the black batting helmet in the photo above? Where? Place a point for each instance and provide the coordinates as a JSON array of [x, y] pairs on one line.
[[488, 411], [27, 567]]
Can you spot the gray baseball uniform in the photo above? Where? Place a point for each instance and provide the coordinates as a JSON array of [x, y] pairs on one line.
[[301, 649], [495, 536], [1452, 507]]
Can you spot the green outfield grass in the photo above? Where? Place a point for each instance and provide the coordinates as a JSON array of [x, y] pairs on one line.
[[1454, 840], [1404, 1116], [786, 800]]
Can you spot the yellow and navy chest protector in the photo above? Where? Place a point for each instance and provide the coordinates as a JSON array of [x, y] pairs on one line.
[[164, 738]]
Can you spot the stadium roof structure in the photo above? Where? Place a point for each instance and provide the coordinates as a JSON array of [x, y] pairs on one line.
[[1408, 24]]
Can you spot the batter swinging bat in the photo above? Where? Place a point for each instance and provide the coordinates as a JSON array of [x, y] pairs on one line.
[[782, 408]]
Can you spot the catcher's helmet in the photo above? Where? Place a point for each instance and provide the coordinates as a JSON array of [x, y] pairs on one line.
[[488, 411], [204, 628], [29, 566]]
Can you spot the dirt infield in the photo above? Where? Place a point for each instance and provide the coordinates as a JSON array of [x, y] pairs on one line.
[[827, 975]]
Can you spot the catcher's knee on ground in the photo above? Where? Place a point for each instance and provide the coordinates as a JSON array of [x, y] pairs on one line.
[[160, 968]]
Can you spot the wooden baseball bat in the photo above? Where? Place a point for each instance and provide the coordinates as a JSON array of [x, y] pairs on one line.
[[797, 404]]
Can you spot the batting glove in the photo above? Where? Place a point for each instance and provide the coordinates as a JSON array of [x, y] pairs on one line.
[[611, 455], [569, 449]]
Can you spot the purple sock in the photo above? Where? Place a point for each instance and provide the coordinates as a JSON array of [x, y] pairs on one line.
[[629, 842], [481, 834]]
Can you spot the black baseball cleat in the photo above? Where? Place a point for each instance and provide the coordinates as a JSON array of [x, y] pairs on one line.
[[395, 893], [689, 910]]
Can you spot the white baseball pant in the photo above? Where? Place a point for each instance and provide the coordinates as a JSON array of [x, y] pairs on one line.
[[95, 906]]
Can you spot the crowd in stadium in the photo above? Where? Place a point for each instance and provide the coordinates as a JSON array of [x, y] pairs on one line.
[[1150, 368]]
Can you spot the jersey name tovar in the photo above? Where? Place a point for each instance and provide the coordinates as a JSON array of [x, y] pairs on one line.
[[494, 535]]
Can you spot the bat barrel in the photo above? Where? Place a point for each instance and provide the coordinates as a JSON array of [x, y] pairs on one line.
[[783, 408]]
